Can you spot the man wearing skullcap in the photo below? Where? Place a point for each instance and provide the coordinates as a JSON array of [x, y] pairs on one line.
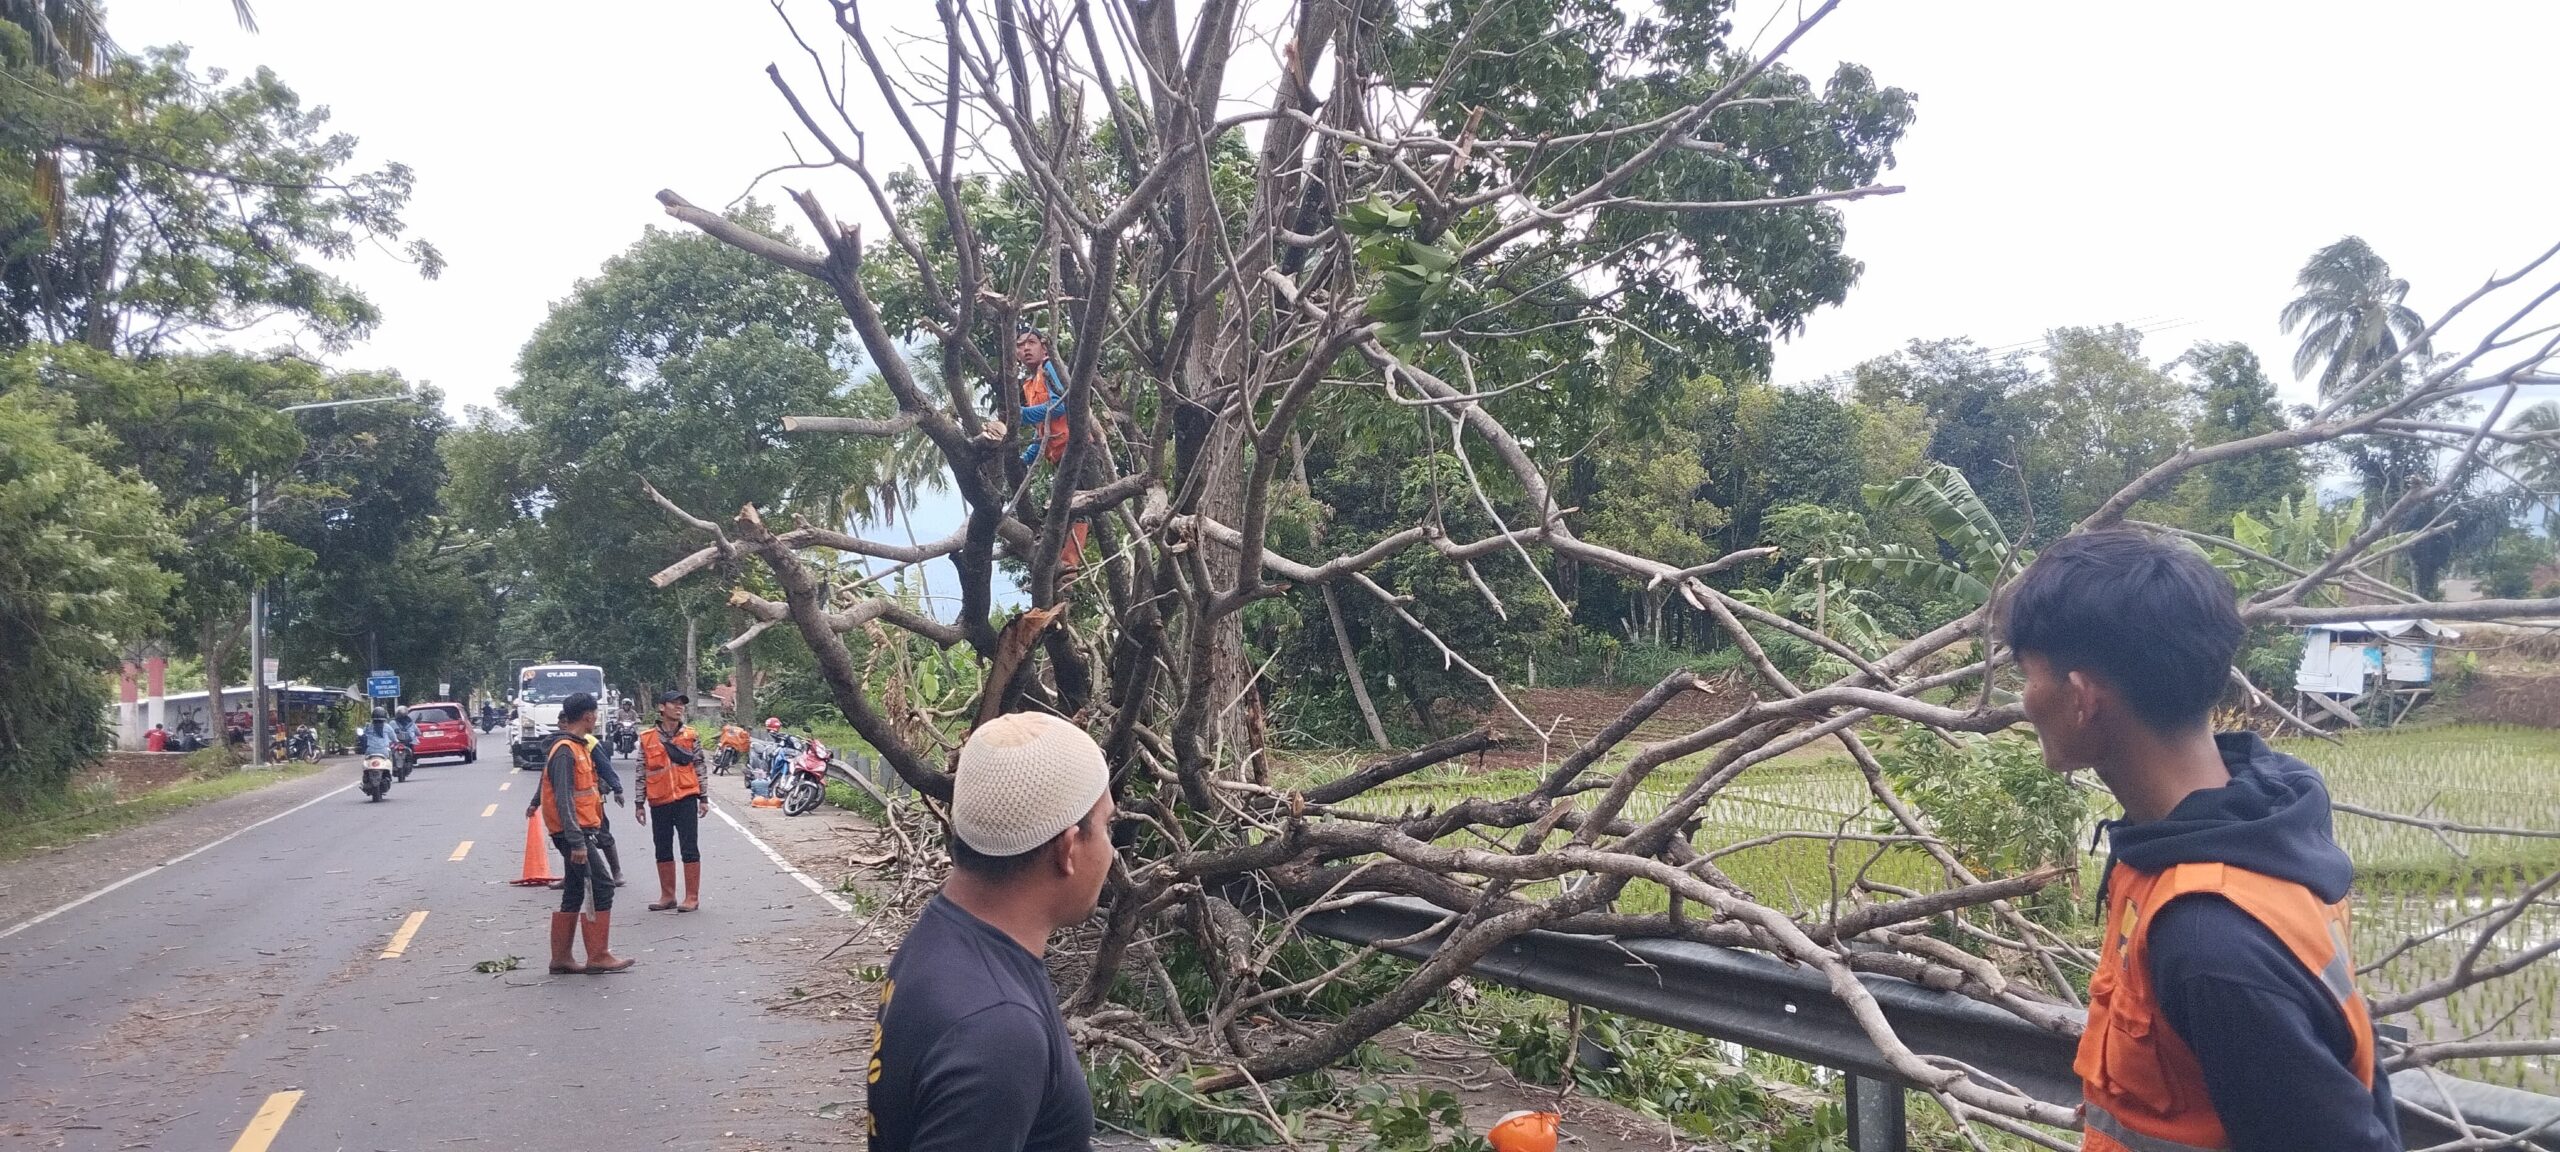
[[970, 1051]]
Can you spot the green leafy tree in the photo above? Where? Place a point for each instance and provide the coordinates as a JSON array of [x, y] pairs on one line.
[[675, 364], [1985, 413], [2235, 400], [77, 578], [143, 201], [2110, 414]]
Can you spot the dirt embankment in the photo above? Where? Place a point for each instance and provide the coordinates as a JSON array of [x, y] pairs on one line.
[[136, 773], [2511, 696]]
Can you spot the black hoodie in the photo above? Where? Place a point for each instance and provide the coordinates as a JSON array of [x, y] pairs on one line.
[[2270, 1037]]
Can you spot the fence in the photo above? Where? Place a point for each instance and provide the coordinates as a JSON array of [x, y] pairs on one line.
[[1764, 1003]]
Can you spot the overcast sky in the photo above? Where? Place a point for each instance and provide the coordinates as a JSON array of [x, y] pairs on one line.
[[2170, 163]]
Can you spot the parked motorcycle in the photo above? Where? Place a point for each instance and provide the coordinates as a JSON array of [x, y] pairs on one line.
[[377, 777], [304, 745], [807, 784]]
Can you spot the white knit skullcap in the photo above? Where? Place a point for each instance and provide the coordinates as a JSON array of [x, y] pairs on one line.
[[1024, 778]]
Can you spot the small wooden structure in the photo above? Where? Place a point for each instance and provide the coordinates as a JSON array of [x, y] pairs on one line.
[[2367, 671]]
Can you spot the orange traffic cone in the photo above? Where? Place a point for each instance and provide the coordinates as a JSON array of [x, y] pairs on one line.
[[537, 858]]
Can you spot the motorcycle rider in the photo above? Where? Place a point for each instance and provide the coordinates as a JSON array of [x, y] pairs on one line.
[[375, 739], [573, 811], [673, 802], [404, 731]]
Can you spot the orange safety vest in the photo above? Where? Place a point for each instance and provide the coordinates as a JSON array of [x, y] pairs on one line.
[[584, 801], [1053, 431], [734, 737], [663, 780], [2142, 1088]]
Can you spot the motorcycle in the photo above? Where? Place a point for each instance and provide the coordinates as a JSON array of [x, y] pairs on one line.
[[304, 745], [404, 756], [626, 738], [377, 777], [488, 720], [808, 781], [726, 759]]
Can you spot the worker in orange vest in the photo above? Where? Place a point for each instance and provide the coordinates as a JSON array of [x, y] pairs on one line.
[[671, 801], [2224, 1012], [573, 811], [1044, 404]]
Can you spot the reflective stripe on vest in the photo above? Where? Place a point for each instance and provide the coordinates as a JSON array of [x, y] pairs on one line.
[[2144, 1090], [663, 780], [2102, 1123]]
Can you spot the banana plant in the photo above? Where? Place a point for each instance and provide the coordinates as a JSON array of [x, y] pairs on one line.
[[1964, 528]]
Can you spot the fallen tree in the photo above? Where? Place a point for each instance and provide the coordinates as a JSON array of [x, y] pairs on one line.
[[1213, 276]]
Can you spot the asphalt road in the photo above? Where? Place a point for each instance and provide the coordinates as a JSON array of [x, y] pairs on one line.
[[257, 994]]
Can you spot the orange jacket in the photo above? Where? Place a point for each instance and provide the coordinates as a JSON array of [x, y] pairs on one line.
[[585, 803], [663, 780], [735, 738], [2143, 1090]]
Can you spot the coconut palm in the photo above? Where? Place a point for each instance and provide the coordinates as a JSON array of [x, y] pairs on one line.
[[70, 36], [2351, 314], [2536, 465]]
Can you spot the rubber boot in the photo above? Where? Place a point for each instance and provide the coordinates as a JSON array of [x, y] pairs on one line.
[[666, 886], [692, 886], [564, 929], [599, 932]]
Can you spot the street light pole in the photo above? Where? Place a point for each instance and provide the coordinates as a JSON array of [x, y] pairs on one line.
[[258, 608]]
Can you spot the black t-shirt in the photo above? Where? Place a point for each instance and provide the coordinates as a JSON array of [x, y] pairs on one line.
[[970, 1054]]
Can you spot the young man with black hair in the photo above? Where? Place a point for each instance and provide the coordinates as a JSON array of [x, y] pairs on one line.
[[970, 1052], [2224, 1012], [572, 807]]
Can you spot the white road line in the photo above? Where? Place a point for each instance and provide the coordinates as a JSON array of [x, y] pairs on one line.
[[171, 862], [806, 881]]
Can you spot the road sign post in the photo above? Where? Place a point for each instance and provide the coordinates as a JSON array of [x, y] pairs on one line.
[[382, 684]]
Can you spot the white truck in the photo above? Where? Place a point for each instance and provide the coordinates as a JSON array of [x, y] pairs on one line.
[[540, 690]]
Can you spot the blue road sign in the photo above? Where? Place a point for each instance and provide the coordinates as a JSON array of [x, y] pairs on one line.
[[382, 685]]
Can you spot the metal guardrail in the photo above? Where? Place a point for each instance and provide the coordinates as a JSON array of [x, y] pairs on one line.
[[1764, 1003]]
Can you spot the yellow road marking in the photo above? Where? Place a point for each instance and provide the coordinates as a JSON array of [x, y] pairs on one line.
[[460, 852], [400, 939], [489, 811], [263, 1127], [503, 785]]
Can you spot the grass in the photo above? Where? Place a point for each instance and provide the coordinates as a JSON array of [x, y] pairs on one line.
[[35, 833]]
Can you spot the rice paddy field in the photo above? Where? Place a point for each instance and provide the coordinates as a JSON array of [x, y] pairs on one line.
[[2411, 881]]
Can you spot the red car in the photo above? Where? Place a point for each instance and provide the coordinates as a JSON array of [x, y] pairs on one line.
[[443, 732]]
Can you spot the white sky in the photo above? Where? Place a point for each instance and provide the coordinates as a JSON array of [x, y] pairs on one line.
[[2072, 163]]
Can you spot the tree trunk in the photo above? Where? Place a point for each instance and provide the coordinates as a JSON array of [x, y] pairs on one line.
[[692, 656], [742, 677], [1351, 667]]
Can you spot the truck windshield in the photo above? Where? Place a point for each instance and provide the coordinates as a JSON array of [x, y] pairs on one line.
[[553, 685]]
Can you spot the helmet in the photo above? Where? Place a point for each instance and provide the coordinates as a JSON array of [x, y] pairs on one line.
[[403, 710], [379, 714], [773, 723]]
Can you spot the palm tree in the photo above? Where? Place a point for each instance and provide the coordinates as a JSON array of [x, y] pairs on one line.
[[2351, 314], [2536, 465], [71, 35]]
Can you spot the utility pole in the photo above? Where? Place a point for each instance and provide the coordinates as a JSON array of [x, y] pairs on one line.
[[258, 610]]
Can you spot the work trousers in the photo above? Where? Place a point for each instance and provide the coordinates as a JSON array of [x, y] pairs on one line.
[[577, 880], [668, 822]]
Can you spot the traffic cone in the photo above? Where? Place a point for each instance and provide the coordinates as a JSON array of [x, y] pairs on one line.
[[537, 858]]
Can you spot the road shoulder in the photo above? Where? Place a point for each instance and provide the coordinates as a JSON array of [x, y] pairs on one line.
[[48, 878]]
